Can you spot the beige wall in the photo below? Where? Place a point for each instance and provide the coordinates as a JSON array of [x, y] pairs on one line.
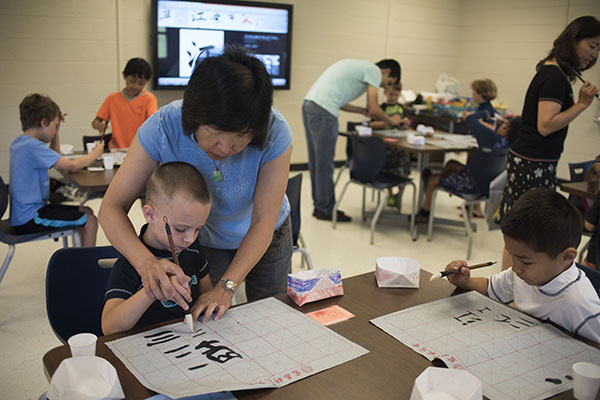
[[74, 50]]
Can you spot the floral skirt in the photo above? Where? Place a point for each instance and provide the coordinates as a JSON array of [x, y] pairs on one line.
[[524, 174]]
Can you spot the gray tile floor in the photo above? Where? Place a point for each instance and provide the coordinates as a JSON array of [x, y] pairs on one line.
[[25, 335]]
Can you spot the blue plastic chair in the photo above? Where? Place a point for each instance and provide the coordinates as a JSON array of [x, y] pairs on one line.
[[9, 236], [367, 158], [484, 167], [76, 282], [293, 192]]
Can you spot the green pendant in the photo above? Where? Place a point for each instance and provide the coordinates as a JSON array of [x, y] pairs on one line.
[[217, 175]]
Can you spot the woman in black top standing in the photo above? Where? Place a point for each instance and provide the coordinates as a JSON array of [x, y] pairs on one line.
[[548, 109]]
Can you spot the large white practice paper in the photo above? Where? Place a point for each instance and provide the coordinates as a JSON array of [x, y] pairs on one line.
[[514, 355], [264, 344]]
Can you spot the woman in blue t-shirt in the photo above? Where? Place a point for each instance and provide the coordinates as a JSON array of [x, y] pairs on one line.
[[226, 127], [547, 111]]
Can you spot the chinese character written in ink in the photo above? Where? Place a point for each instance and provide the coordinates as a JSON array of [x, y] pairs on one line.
[[507, 319], [212, 349], [470, 318]]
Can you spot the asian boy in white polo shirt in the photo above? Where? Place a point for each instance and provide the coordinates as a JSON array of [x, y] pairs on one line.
[[541, 233]]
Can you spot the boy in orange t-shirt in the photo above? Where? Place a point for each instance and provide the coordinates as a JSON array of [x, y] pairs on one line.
[[128, 109]]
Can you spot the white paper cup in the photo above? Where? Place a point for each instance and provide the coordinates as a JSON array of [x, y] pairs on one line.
[[586, 380], [90, 146], [83, 344], [109, 162]]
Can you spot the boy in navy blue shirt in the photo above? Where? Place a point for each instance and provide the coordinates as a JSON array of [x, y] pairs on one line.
[[30, 160], [177, 191]]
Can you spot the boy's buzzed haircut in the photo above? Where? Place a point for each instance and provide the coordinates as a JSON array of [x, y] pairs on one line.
[[138, 67], [176, 177], [486, 88], [34, 108], [392, 65], [545, 221]]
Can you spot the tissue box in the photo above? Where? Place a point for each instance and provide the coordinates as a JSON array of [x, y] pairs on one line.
[[397, 272], [307, 286], [446, 384]]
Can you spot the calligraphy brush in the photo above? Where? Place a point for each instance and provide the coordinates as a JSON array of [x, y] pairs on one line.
[[578, 75], [188, 316], [442, 274]]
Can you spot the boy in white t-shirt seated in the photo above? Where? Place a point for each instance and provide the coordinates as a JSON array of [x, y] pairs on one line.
[[541, 233]]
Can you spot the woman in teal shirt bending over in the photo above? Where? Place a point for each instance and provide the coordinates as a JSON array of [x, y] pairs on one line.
[[226, 127]]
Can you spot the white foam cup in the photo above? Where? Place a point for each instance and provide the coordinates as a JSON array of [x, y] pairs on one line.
[[90, 146], [83, 344], [586, 380], [109, 162]]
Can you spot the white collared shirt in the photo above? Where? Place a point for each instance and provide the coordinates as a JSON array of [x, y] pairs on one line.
[[569, 300]]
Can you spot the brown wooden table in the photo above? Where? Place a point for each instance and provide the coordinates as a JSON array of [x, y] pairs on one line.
[[583, 189], [387, 371], [93, 184]]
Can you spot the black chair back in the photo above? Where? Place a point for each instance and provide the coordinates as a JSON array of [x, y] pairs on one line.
[[75, 288], [3, 197], [485, 167], [293, 192], [597, 245], [90, 139], [368, 156], [577, 172]]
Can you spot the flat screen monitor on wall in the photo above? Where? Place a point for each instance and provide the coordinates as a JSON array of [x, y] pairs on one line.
[[185, 32]]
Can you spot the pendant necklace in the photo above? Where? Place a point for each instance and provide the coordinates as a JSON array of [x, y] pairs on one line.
[[217, 176]]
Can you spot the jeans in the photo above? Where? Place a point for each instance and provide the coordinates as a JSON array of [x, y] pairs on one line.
[[269, 275], [321, 135]]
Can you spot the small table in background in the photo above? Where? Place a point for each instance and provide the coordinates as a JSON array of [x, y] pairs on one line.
[[583, 189]]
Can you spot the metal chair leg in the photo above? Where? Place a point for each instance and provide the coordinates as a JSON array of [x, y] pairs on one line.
[[467, 219], [305, 255], [337, 203], [431, 214], [413, 231], [302, 244], [76, 239], [7, 259], [378, 211], [339, 175]]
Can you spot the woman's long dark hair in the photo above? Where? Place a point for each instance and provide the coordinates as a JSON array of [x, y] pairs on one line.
[[563, 49]]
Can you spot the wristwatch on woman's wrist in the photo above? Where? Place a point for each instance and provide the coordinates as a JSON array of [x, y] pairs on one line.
[[229, 284]]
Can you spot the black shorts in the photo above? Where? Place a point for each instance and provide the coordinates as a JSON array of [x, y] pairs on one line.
[[53, 216]]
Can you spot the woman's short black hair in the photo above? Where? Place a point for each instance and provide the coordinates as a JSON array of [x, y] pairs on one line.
[[138, 67], [563, 49], [231, 93], [545, 221]]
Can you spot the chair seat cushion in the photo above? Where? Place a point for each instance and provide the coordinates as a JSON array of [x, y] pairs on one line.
[[465, 196], [9, 235], [385, 181]]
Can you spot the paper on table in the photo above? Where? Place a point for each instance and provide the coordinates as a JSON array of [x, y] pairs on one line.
[[263, 344], [446, 384], [330, 315], [95, 169], [88, 378], [400, 272]]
